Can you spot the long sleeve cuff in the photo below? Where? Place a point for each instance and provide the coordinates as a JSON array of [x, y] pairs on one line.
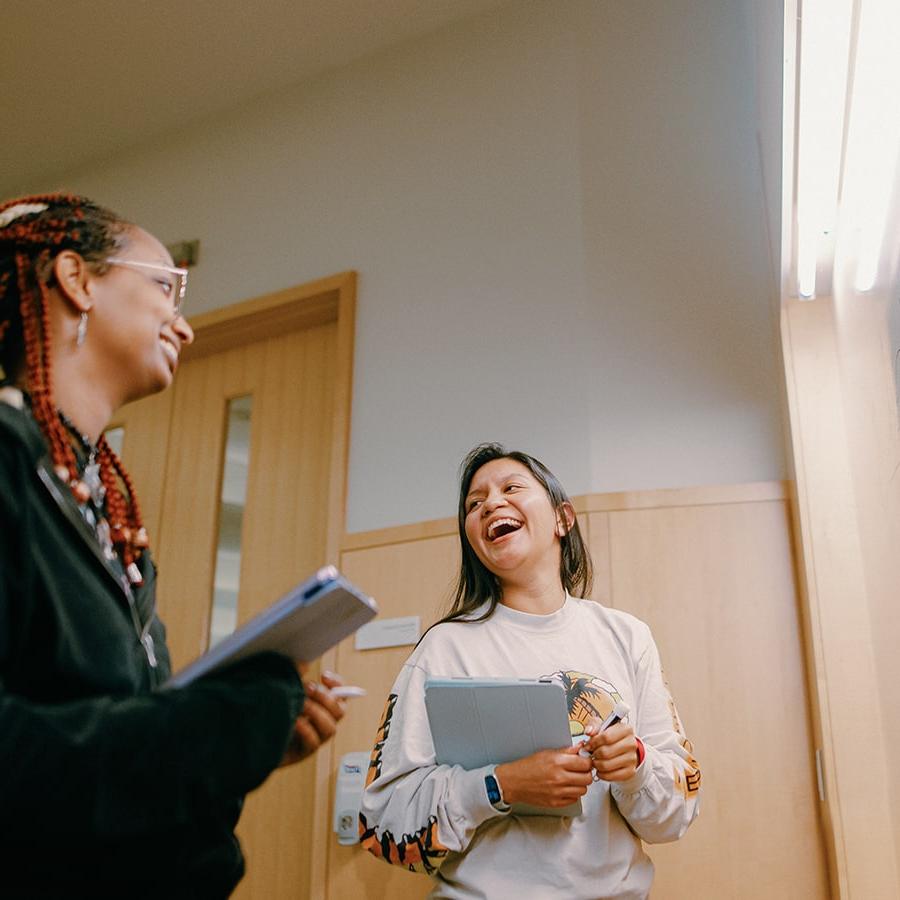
[[637, 781], [474, 802]]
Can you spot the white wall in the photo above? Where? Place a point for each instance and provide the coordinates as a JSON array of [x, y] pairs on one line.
[[684, 377], [556, 213]]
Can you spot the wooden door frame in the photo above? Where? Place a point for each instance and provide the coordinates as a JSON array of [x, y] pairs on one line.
[[331, 299], [840, 598]]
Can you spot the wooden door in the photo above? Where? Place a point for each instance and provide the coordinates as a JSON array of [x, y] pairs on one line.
[[144, 444], [293, 374]]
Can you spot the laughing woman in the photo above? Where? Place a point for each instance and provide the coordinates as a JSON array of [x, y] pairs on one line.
[[518, 613], [108, 788]]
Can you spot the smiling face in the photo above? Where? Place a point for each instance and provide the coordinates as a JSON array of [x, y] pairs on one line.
[[131, 329], [511, 524]]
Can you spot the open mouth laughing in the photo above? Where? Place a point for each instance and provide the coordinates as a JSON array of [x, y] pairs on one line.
[[170, 349], [501, 527]]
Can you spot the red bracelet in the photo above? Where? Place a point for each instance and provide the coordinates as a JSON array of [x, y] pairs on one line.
[[641, 752]]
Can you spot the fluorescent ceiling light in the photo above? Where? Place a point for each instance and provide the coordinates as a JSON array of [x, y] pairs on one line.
[[873, 139], [847, 141], [825, 28]]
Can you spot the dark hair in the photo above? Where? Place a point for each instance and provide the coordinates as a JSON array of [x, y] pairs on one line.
[[476, 583], [33, 231]]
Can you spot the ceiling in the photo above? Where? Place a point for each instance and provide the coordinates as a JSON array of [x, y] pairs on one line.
[[84, 79]]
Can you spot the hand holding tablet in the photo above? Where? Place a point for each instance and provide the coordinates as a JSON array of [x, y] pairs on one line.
[[309, 619]]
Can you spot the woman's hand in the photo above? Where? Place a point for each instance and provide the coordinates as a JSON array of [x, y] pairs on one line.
[[552, 778], [614, 752], [318, 719]]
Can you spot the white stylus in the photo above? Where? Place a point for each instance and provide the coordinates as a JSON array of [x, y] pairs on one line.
[[620, 711], [348, 690]]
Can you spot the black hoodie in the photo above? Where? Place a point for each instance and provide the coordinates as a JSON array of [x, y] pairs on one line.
[[110, 787]]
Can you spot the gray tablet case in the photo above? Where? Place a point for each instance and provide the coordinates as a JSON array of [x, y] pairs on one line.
[[302, 625], [479, 721]]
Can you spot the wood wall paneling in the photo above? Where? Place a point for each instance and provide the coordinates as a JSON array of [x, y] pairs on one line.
[[716, 583], [595, 527], [145, 425], [406, 578], [845, 616]]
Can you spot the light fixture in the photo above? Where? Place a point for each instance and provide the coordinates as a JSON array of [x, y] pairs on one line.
[[847, 147], [825, 28], [873, 140]]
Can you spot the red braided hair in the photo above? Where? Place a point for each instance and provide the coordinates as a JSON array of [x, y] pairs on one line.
[[33, 230]]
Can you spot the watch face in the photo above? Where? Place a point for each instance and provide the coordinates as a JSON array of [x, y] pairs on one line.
[[493, 789]]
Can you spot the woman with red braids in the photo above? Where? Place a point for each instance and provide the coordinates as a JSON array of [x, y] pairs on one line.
[[108, 788]]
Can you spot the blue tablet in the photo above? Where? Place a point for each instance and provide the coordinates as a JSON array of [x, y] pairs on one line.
[[302, 625], [477, 722]]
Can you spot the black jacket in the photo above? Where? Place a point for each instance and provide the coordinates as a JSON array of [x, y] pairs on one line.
[[109, 788]]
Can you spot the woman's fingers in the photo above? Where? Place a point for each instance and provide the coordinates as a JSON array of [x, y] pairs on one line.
[[613, 735], [320, 694], [321, 718], [331, 679], [304, 742], [553, 778], [309, 735], [613, 752], [572, 760], [317, 722]]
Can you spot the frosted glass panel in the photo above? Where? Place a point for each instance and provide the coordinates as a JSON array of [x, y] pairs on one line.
[[227, 578], [115, 437]]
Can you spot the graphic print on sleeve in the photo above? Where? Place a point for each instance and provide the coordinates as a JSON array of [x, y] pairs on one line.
[[380, 737], [419, 852], [688, 782]]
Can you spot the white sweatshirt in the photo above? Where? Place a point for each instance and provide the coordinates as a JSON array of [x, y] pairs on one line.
[[439, 820]]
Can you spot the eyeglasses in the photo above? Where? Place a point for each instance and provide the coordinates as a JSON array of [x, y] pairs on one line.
[[174, 289]]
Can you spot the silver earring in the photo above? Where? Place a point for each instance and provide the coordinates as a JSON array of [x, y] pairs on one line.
[[81, 334]]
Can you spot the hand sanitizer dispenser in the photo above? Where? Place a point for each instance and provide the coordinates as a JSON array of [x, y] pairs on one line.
[[351, 779]]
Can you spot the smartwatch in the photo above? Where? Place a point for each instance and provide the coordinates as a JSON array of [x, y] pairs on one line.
[[495, 795]]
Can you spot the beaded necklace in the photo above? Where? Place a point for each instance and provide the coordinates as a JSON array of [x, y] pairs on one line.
[[89, 491]]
